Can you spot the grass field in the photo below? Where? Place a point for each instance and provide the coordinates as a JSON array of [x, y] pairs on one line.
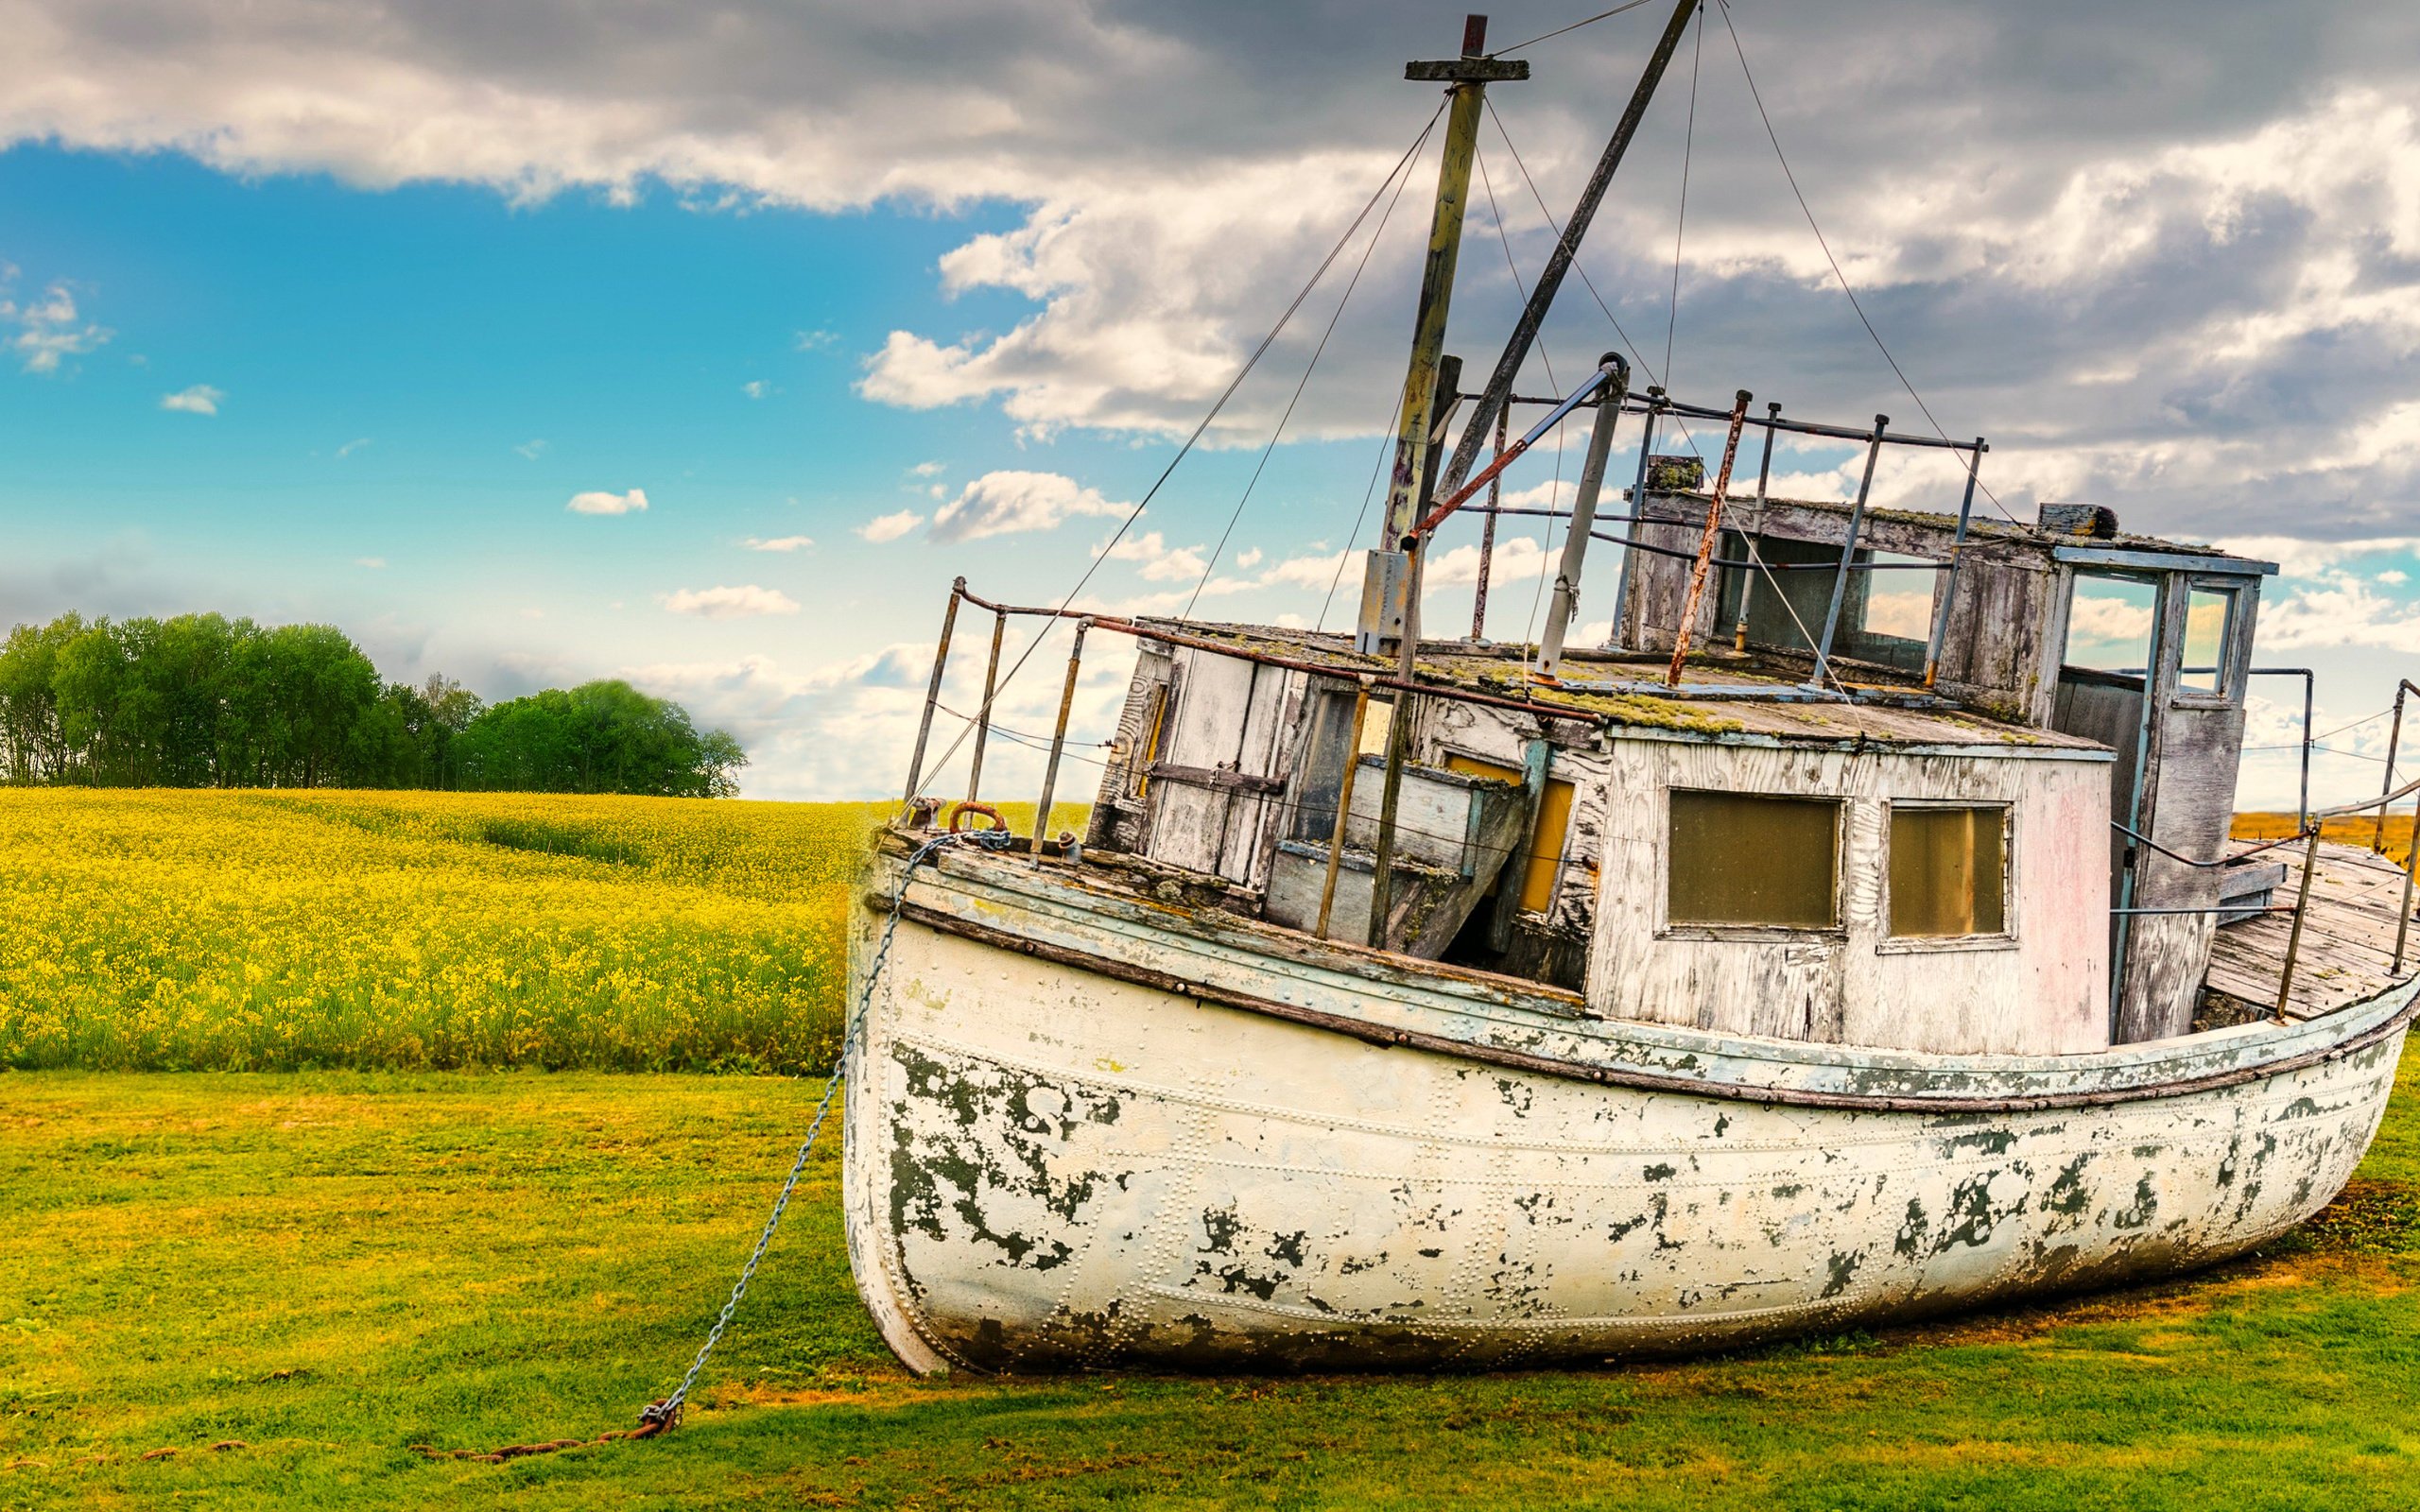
[[319, 1269], [331, 1267]]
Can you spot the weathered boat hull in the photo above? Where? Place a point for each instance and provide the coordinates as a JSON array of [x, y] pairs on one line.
[[1083, 1133]]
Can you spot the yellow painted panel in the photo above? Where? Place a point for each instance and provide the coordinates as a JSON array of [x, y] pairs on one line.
[[1546, 840]]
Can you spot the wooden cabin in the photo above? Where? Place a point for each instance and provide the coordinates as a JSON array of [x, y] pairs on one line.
[[1923, 871]]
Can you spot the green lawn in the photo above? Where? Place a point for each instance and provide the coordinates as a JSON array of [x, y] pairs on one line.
[[332, 1268]]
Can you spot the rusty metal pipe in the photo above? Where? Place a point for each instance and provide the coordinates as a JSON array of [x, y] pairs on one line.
[[933, 692], [2403, 915], [1059, 737], [1343, 805], [983, 714], [2294, 938], [1705, 541]]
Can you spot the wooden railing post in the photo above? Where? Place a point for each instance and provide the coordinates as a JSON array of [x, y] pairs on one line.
[[1059, 737], [933, 692]]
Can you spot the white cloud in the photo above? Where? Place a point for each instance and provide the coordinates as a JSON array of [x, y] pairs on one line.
[[1246, 560], [1160, 563], [530, 449], [729, 602], [634, 502], [755, 389], [352, 446], [1306, 572], [48, 327], [929, 470], [779, 543], [200, 400], [888, 527], [372, 563], [1007, 502], [814, 340]]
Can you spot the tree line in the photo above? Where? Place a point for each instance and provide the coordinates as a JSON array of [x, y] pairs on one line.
[[200, 700]]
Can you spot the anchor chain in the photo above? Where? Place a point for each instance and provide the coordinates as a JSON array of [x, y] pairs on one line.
[[662, 1414]]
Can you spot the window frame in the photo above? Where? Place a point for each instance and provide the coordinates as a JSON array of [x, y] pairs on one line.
[[1667, 928], [1887, 943], [2233, 658]]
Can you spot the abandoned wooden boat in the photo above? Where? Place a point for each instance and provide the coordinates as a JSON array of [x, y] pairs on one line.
[[1813, 955]]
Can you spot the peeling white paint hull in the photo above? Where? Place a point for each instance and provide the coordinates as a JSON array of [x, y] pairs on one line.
[[1052, 1166]]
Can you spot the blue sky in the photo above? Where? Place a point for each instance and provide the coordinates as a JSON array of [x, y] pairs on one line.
[[310, 319]]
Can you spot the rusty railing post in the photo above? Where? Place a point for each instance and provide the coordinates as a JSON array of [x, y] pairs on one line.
[[1343, 804], [983, 714], [1705, 541], [1059, 737], [2294, 938], [933, 692]]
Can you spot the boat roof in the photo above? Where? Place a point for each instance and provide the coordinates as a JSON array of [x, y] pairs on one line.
[[2118, 550], [1726, 696]]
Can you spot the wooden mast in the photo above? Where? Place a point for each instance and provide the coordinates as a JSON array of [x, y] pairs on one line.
[[1385, 585]]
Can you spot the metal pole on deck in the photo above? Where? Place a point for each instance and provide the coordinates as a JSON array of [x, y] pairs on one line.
[[2393, 740], [1343, 804], [983, 714], [1487, 531], [1950, 578], [2403, 915], [933, 692], [1764, 475], [1705, 541], [1848, 550], [1637, 516], [2294, 938], [1584, 516], [1059, 737]]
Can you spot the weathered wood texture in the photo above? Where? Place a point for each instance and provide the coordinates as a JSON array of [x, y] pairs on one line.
[[1228, 715], [2348, 936], [2042, 991]]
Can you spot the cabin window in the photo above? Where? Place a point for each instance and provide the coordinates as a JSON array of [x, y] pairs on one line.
[[2209, 616], [1949, 870], [1886, 607], [1749, 859], [2109, 624]]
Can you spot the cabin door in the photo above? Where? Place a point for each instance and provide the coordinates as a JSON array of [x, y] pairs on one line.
[[1216, 782]]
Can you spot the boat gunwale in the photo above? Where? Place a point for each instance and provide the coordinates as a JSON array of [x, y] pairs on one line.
[[2339, 1033]]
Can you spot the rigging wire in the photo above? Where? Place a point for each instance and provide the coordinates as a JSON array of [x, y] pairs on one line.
[[1554, 492], [1822, 242], [1233, 384], [1602, 15], [1681, 221], [1402, 181]]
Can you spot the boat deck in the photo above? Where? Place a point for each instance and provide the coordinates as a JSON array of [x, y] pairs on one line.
[[2348, 940]]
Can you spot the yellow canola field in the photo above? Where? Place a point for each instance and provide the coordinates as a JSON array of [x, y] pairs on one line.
[[156, 928]]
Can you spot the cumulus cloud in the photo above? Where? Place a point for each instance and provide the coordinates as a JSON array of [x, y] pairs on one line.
[[1008, 503], [199, 399], [888, 527], [779, 543], [756, 388], [48, 327], [729, 602], [634, 502], [1158, 562]]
